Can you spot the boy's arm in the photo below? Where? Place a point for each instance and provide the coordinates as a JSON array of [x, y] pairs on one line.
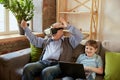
[[98, 70]]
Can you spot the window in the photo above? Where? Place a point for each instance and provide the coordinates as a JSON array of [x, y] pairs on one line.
[[8, 22], [2, 29], [12, 22]]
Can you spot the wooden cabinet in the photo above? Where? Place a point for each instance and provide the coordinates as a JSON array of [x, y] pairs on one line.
[[83, 14]]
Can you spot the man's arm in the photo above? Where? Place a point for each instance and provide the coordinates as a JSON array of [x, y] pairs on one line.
[[37, 41], [76, 36]]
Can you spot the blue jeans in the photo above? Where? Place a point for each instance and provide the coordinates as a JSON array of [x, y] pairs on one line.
[[67, 78], [47, 70], [70, 78]]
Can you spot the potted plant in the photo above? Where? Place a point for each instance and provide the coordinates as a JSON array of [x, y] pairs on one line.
[[21, 9]]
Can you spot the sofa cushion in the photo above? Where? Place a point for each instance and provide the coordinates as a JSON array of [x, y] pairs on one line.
[[112, 70], [99, 77], [35, 53], [77, 51], [13, 44], [15, 59]]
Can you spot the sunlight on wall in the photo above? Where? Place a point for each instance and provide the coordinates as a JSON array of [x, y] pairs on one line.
[[110, 21]]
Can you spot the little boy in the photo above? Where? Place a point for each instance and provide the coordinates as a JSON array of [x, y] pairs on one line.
[[92, 62]]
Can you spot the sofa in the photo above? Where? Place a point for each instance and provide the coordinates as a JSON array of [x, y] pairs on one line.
[[11, 64]]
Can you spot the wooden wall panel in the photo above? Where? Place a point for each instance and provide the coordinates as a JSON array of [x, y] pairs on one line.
[[49, 13]]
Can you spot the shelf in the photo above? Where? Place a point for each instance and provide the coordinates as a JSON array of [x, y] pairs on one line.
[[74, 12], [83, 14], [86, 32]]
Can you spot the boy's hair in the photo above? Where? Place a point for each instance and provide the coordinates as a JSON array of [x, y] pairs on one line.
[[92, 43]]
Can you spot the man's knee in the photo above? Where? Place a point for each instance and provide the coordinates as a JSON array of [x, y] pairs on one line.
[[46, 72], [26, 69], [67, 78], [51, 72]]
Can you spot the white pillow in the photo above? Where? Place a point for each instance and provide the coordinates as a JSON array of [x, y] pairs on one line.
[[83, 42], [111, 45]]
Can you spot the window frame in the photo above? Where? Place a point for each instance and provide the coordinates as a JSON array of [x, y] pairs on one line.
[[7, 25]]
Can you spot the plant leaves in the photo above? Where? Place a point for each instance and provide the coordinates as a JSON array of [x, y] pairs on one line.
[[21, 9]]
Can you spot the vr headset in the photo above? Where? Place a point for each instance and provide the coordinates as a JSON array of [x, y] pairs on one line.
[[50, 31]]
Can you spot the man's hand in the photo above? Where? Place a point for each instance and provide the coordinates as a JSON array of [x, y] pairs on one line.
[[62, 20], [23, 24]]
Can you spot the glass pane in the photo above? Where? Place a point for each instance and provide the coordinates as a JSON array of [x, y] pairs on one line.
[[2, 26], [12, 22]]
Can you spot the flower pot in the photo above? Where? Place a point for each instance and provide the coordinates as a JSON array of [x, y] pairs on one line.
[[21, 30]]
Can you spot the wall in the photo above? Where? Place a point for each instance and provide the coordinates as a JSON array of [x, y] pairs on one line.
[[44, 14], [110, 21], [49, 13], [37, 19]]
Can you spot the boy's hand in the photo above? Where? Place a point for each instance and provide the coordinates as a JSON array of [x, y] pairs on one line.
[[87, 68], [23, 24]]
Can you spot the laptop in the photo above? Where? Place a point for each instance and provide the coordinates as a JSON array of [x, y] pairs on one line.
[[72, 69]]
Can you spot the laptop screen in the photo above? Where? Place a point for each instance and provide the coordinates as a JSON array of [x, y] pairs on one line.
[[72, 69]]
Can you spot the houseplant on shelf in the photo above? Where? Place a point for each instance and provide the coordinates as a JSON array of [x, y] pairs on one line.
[[21, 9]]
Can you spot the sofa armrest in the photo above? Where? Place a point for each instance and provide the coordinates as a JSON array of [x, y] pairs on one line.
[[15, 59]]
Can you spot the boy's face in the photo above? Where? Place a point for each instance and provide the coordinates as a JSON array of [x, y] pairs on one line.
[[90, 51]]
